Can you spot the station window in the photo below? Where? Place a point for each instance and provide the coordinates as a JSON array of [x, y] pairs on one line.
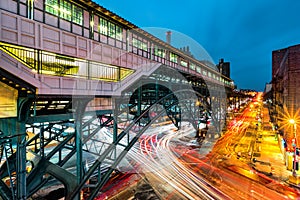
[[77, 15], [173, 57], [52, 6], [139, 44], [103, 26], [183, 63], [192, 66], [65, 10], [119, 33], [110, 29], [159, 52]]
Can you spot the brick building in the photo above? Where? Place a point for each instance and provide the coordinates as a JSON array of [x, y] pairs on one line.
[[286, 91]]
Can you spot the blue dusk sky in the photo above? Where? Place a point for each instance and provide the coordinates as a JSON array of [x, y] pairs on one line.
[[244, 33]]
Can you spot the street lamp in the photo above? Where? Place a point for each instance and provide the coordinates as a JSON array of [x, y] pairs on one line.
[[293, 122]]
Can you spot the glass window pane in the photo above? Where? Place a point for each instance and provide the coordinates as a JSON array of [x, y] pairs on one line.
[[139, 44], [159, 52], [173, 57], [103, 26], [135, 42], [192, 66], [77, 15], [144, 46], [119, 35], [65, 10], [183, 63], [52, 6], [111, 30]]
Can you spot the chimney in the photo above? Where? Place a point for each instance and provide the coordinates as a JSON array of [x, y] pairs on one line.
[[168, 38]]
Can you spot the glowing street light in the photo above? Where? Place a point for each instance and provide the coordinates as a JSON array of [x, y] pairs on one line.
[[291, 119], [293, 122]]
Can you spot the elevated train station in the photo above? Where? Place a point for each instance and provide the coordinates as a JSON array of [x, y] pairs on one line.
[[70, 68]]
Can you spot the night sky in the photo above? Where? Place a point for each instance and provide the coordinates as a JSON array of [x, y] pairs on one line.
[[244, 34]]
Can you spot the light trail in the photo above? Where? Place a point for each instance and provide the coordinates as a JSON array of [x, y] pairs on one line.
[[159, 159]]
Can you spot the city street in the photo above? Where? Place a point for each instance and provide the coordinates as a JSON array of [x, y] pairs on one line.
[[245, 163], [250, 152]]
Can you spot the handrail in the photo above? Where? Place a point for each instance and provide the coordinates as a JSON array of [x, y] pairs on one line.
[[43, 62], [144, 70]]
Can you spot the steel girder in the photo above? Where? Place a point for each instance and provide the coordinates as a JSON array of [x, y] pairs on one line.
[[114, 152]]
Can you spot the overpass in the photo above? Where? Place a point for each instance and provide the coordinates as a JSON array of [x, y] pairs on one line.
[[70, 68]]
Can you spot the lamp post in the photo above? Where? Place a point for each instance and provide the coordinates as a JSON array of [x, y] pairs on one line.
[[293, 122]]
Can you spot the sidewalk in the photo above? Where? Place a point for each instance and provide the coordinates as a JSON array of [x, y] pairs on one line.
[[269, 157]]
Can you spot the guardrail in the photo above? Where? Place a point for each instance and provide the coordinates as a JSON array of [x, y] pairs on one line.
[[43, 62]]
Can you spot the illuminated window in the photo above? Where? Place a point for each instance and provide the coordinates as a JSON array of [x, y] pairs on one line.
[[77, 15], [139, 44], [198, 69], [110, 29], [144, 46], [173, 57], [183, 63], [65, 10], [103, 26], [52, 6], [159, 52], [135, 42], [192, 66], [119, 33]]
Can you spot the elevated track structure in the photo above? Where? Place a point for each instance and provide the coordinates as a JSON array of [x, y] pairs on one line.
[[79, 85]]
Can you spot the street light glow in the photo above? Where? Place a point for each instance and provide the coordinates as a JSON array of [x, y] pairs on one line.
[[292, 121], [289, 119]]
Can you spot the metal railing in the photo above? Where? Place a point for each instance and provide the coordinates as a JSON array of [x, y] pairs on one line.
[[43, 62]]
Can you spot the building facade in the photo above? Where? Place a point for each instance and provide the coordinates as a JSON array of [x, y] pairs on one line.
[[286, 91]]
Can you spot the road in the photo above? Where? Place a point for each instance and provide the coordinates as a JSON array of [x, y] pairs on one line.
[[174, 165]]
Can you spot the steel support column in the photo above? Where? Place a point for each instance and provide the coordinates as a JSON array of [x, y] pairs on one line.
[[79, 104], [21, 168], [24, 103]]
